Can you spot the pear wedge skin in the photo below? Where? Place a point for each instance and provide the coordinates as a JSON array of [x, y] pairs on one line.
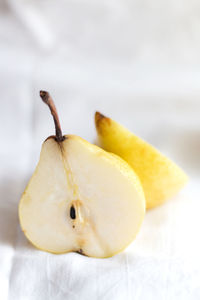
[[160, 177], [81, 198]]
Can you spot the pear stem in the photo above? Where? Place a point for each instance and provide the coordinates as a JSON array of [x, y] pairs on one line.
[[46, 98]]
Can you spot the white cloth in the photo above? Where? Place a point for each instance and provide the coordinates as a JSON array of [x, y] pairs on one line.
[[137, 62]]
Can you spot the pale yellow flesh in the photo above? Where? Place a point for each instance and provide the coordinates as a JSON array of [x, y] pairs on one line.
[[106, 193], [160, 177]]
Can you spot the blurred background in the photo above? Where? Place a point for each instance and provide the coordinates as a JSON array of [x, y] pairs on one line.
[[137, 61]]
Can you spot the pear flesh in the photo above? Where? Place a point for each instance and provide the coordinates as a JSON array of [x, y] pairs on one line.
[[81, 198], [160, 177]]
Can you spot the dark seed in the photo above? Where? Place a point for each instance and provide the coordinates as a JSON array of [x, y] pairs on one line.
[[72, 212]]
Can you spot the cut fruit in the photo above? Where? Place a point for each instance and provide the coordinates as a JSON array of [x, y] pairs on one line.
[[160, 177], [81, 198]]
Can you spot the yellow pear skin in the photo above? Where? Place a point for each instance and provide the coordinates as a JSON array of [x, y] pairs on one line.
[[160, 177]]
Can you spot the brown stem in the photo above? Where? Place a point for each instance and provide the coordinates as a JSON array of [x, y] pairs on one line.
[[49, 101]]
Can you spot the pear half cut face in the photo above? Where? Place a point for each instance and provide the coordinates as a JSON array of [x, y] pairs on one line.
[[81, 198]]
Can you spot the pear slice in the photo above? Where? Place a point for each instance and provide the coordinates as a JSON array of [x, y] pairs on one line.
[[160, 177], [80, 198]]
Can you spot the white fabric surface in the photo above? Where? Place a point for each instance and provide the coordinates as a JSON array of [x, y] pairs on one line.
[[138, 62]]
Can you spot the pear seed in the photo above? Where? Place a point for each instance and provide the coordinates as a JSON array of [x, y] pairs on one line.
[[72, 212]]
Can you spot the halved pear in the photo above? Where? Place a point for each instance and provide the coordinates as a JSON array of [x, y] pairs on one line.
[[80, 198], [160, 177]]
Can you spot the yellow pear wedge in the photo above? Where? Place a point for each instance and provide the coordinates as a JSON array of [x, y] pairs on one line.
[[160, 177], [80, 198]]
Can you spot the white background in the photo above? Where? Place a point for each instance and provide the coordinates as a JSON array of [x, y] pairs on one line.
[[137, 62]]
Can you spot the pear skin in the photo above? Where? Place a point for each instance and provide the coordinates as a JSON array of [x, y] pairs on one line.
[[160, 177]]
